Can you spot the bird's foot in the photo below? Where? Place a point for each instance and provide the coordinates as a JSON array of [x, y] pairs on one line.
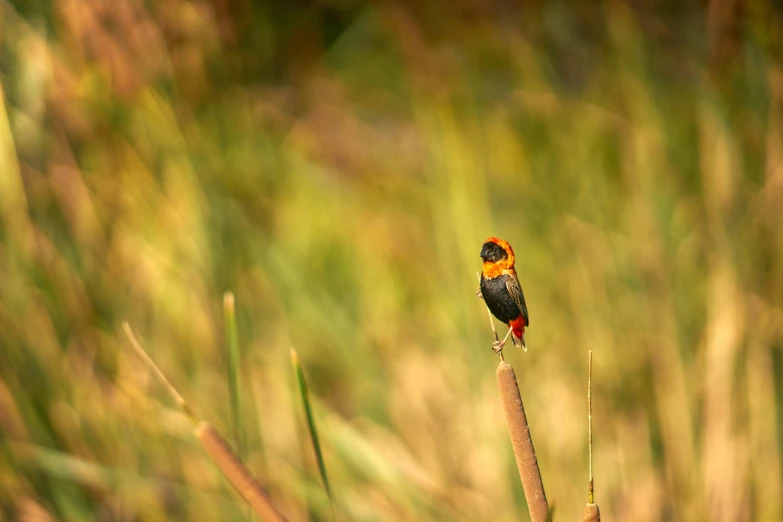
[[497, 346], [478, 294]]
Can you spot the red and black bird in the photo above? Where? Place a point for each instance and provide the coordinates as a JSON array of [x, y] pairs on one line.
[[501, 290]]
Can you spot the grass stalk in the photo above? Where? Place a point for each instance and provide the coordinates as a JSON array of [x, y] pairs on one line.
[[525, 455], [311, 427], [232, 338]]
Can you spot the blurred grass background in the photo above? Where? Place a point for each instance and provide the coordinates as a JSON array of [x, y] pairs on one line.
[[337, 165]]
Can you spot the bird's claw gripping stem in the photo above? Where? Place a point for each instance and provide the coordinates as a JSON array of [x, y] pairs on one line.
[[497, 346]]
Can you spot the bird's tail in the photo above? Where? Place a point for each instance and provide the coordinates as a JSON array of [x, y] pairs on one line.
[[519, 341]]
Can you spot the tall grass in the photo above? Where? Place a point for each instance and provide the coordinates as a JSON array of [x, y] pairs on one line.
[[339, 166]]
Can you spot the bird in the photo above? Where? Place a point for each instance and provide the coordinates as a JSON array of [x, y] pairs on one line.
[[502, 292]]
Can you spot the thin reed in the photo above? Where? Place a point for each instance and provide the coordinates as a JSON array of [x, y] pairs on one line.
[[591, 512]]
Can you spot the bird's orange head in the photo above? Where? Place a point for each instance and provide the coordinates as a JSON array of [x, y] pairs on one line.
[[498, 257]]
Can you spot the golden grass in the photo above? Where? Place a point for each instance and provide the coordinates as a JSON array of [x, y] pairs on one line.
[[338, 168]]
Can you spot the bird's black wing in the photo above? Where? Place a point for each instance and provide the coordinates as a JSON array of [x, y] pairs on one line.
[[515, 291]]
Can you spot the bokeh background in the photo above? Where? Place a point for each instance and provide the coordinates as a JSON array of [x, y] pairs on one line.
[[337, 164]]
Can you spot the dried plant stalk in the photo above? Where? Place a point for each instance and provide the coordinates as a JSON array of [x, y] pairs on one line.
[[162, 379], [236, 472], [527, 463]]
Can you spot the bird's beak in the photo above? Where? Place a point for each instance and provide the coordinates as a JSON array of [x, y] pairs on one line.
[[485, 255]]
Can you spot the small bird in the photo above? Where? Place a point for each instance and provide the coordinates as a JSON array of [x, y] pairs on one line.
[[501, 290]]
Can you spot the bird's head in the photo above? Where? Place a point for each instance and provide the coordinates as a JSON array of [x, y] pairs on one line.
[[497, 251]]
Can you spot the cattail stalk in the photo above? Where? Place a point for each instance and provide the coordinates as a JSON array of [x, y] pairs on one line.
[[591, 513], [525, 455]]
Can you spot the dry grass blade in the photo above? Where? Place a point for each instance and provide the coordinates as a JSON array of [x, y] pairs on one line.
[[525, 455], [158, 373], [236, 472], [305, 395]]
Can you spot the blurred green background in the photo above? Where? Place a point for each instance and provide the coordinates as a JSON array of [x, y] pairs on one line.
[[337, 164]]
